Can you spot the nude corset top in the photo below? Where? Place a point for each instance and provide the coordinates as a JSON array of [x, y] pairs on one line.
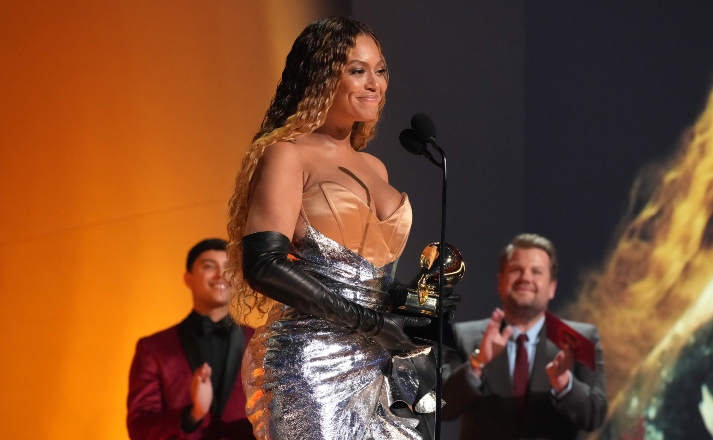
[[342, 216]]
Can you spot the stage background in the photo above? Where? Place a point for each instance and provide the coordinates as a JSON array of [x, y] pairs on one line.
[[548, 111], [122, 126]]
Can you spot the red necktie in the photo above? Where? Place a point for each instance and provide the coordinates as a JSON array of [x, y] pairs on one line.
[[521, 374]]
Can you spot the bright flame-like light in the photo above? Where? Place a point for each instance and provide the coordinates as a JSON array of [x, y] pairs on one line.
[[656, 288]]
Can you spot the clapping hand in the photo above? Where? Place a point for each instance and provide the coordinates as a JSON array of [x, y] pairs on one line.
[[201, 392], [558, 370], [494, 341]]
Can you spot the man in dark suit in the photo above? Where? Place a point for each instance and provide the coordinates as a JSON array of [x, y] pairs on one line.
[[185, 381], [502, 385]]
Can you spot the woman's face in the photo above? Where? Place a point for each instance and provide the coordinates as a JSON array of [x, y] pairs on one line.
[[362, 85]]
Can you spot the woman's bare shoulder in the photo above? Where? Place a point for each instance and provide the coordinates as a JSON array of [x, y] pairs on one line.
[[280, 161], [282, 150]]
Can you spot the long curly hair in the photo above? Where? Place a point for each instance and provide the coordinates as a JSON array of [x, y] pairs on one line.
[[310, 79]]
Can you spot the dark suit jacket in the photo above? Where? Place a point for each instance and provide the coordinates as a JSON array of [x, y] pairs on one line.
[[489, 411], [159, 388]]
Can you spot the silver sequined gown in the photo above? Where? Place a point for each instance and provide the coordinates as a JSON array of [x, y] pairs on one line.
[[308, 379]]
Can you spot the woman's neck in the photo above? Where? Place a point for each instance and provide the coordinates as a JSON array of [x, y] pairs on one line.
[[332, 138], [340, 133]]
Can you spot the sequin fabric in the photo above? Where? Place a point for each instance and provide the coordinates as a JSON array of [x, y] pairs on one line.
[[308, 379]]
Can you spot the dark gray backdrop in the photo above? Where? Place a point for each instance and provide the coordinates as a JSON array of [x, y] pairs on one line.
[[547, 110]]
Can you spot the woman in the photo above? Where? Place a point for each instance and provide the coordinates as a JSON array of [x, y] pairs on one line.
[[316, 229]]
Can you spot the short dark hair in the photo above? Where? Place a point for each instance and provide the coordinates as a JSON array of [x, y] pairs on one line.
[[209, 244], [530, 241]]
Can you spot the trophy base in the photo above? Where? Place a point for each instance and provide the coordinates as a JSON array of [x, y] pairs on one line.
[[428, 335]]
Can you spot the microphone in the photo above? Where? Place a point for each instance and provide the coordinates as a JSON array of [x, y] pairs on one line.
[[423, 127], [411, 142], [416, 141]]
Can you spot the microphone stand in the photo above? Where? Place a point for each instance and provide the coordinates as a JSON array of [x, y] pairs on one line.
[[441, 281]]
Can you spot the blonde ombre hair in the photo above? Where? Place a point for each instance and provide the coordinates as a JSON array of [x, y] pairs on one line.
[[310, 79]]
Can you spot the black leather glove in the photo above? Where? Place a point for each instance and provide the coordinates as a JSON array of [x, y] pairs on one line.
[[267, 270], [399, 292], [450, 302]]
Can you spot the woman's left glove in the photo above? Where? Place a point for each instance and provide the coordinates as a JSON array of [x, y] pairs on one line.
[[267, 269]]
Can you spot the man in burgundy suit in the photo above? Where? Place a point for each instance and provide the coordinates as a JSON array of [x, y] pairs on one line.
[[185, 381]]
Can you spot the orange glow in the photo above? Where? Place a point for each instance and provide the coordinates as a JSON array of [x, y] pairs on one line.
[[122, 125]]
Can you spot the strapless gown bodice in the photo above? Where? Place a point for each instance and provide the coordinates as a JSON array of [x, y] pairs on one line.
[[339, 214]]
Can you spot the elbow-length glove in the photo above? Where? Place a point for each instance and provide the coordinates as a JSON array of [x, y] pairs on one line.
[[267, 270]]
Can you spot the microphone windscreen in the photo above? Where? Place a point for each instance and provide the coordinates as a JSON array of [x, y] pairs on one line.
[[423, 126], [411, 142]]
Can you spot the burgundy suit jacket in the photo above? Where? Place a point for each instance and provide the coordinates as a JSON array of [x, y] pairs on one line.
[[159, 388]]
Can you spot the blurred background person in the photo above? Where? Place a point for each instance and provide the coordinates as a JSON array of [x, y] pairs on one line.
[[507, 380], [185, 381]]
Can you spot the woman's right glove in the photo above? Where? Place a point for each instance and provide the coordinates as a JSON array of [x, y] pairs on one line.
[[267, 270]]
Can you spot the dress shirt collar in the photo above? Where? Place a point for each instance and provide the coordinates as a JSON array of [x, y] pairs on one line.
[[203, 325], [532, 333]]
